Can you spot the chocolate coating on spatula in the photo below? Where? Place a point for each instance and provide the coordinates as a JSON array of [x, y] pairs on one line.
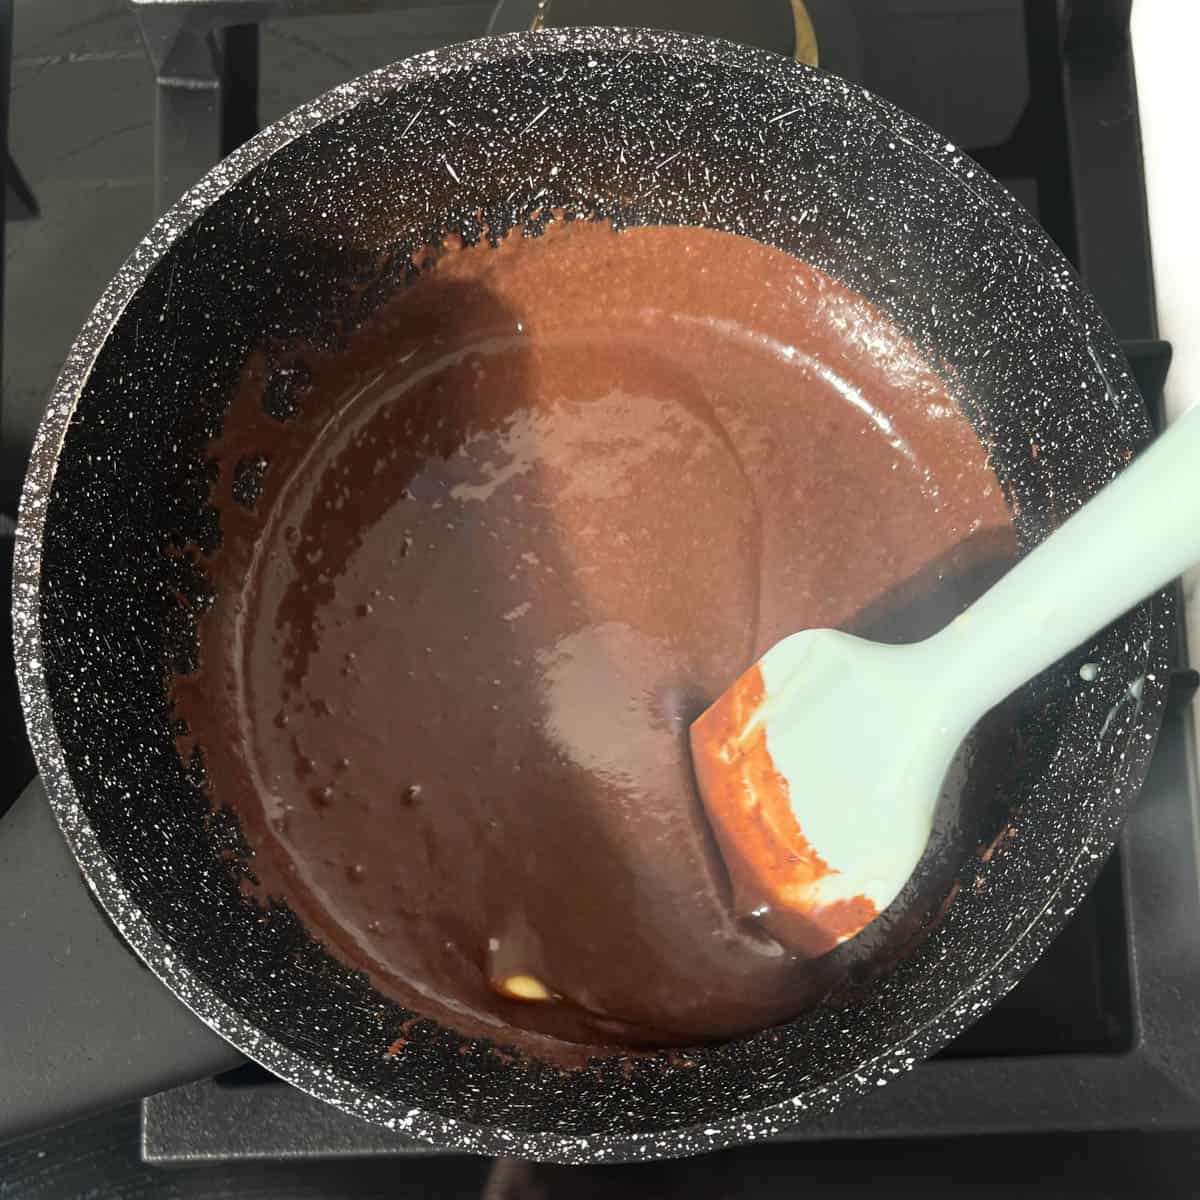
[[482, 566]]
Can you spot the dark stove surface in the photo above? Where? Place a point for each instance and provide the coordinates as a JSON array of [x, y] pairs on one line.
[[1101, 1035], [99, 1158]]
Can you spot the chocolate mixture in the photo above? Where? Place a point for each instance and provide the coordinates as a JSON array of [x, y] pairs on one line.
[[482, 567]]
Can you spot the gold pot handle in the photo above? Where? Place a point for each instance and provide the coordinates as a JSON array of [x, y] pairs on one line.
[[804, 45]]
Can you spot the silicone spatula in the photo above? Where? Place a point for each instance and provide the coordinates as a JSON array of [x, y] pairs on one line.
[[820, 767]]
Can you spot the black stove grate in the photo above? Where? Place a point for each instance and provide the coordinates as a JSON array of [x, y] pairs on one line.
[[1101, 1035]]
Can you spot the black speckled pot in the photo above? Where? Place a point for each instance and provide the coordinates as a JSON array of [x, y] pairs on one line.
[[654, 128]]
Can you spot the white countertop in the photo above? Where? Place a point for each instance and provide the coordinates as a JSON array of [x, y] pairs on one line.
[[1166, 49]]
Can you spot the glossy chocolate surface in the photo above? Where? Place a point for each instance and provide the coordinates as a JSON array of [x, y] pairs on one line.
[[502, 548]]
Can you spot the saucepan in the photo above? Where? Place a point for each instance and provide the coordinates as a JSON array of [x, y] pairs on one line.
[[282, 241]]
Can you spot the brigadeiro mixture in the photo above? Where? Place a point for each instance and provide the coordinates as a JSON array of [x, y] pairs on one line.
[[481, 568]]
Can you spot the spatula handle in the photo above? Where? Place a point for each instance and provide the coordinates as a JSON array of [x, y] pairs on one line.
[[1138, 533]]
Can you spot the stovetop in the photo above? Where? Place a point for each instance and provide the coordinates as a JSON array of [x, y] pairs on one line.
[[1101, 1035]]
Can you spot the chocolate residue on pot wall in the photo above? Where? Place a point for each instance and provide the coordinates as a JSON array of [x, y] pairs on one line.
[[482, 566]]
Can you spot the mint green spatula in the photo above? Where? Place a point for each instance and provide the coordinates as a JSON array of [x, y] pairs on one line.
[[821, 766]]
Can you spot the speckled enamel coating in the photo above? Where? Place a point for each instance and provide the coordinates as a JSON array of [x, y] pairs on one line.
[[316, 216]]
